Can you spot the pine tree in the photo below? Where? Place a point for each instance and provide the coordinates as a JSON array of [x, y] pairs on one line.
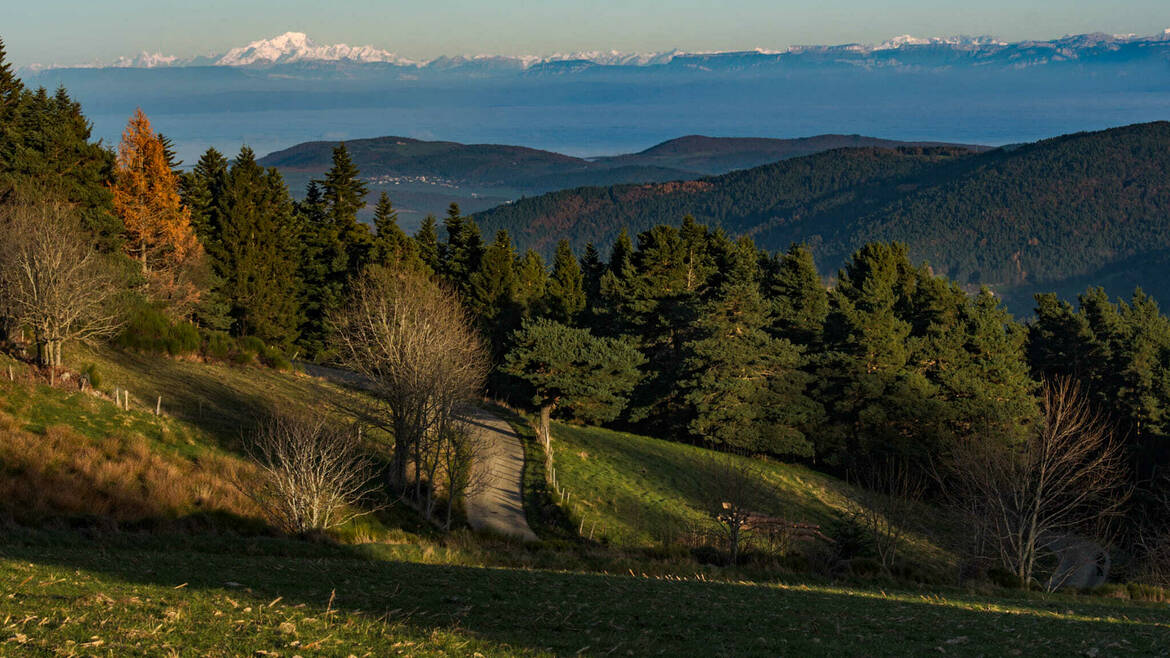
[[878, 404], [157, 224], [800, 300], [743, 386], [570, 368], [565, 292]]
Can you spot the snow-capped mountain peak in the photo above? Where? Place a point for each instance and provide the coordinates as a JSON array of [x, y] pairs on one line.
[[297, 47]]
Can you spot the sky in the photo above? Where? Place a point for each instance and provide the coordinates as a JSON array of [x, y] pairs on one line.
[[82, 31]]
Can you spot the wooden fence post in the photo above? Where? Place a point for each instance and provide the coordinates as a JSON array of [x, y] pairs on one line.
[[158, 406]]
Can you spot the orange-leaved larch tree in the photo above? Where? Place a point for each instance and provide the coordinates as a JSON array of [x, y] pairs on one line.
[[159, 234]]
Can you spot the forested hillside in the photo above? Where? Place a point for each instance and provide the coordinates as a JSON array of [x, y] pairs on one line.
[[1046, 216]]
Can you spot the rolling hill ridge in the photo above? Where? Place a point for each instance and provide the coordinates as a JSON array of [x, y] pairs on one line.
[[1049, 215], [425, 176]]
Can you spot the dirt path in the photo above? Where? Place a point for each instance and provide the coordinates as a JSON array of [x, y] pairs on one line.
[[499, 505]]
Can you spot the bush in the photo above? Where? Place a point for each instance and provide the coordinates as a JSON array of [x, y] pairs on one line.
[[91, 373], [218, 345], [1144, 592], [148, 329], [1004, 578]]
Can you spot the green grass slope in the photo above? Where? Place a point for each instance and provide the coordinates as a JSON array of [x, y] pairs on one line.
[[637, 491]]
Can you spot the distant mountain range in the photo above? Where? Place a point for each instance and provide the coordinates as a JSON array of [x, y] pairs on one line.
[[274, 93], [425, 176], [1059, 214], [905, 50]]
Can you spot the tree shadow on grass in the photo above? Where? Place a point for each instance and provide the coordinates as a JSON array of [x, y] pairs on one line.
[[564, 613]]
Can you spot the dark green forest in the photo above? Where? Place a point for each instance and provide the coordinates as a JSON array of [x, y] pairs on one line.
[[1060, 214]]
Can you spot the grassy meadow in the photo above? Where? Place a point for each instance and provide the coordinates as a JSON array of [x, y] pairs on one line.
[[123, 533]]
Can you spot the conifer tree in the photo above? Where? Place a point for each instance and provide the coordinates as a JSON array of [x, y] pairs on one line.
[[427, 243], [158, 226], [260, 252], [344, 195], [462, 251], [492, 291], [323, 269], [592, 269], [45, 144], [743, 386], [565, 292], [531, 284], [800, 300], [10, 88], [201, 189], [570, 368], [392, 248], [878, 404]]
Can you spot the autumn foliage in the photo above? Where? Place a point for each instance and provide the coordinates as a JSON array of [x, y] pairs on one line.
[[159, 234]]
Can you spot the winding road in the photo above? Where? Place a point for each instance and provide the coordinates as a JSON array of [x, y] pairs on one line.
[[497, 504]]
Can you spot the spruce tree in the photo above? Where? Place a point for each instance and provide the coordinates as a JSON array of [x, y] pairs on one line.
[[462, 251], [392, 248], [592, 269], [427, 244], [323, 271], [260, 245], [201, 188], [344, 195], [565, 292], [493, 289]]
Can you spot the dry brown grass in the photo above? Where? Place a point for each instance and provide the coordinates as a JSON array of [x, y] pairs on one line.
[[123, 478]]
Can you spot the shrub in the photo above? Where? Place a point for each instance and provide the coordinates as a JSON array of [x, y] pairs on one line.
[[1004, 578], [252, 344], [218, 345], [148, 329], [91, 373], [1144, 592]]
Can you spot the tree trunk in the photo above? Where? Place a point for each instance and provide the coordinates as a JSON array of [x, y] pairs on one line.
[[401, 456]]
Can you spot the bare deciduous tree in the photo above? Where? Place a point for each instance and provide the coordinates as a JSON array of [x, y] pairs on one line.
[[1067, 477], [51, 277], [889, 494], [415, 344], [462, 455], [734, 493], [314, 475]]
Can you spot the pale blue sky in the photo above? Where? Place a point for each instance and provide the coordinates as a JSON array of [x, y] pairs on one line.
[[76, 31]]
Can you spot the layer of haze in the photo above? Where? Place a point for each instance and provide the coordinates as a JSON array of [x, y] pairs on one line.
[[80, 31]]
